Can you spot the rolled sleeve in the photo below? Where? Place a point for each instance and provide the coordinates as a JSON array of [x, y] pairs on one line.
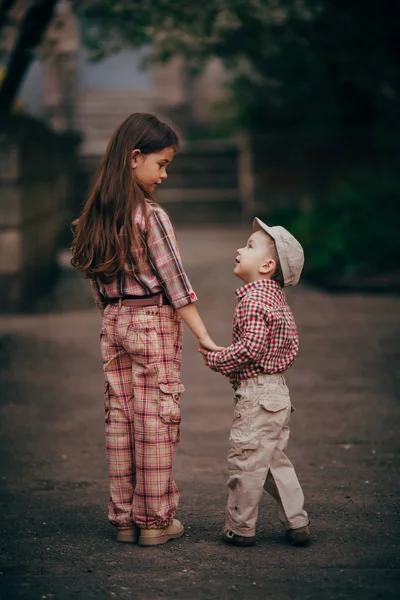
[[253, 342], [212, 362], [165, 260]]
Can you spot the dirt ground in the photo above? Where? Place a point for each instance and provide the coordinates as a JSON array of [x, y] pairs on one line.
[[56, 542]]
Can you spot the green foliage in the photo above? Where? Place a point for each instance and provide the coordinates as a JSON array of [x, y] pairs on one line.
[[339, 67], [353, 232], [295, 64]]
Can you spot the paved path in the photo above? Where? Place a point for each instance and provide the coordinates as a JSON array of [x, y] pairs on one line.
[[56, 542]]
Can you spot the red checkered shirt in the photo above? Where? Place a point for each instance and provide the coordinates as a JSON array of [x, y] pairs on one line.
[[265, 337], [160, 268]]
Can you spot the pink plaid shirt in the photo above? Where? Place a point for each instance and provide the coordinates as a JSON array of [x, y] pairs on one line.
[[265, 337], [161, 267]]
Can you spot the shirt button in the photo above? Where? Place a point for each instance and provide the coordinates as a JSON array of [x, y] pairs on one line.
[[192, 295]]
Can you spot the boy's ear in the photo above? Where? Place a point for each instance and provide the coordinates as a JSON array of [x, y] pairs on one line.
[[267, 267], [134, 158]]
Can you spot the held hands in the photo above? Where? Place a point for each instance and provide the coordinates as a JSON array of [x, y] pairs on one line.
[[207, 345]]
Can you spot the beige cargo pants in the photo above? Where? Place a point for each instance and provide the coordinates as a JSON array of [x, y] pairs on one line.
[[256, 460]]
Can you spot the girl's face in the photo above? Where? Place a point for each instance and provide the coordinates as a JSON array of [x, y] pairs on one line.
[[151, 169]]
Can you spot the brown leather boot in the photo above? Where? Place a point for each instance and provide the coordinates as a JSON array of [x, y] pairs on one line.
[[128, 536], [155, 537], [237, 540], [299, 536]]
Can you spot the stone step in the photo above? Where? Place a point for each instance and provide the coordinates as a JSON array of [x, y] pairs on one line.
[[209, 195], [200, 180], [202, 184]]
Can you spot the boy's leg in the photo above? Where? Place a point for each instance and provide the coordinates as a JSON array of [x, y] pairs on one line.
[[254, 436], [270, 487], [283, 485]]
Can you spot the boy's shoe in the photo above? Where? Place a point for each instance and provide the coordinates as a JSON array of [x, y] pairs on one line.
[[128, 536], [155, 537], [300, 536], [237, 540]]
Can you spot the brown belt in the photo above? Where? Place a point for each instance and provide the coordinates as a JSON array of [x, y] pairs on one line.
[[138, 301]]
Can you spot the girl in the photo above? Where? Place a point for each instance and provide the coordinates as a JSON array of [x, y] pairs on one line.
[[125, 244]]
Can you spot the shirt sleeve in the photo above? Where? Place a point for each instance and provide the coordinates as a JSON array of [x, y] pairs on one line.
[[165, 260], [97, 295], [252, 344]]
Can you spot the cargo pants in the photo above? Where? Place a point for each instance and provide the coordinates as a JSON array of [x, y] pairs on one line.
[[141, 351], [256, 460]]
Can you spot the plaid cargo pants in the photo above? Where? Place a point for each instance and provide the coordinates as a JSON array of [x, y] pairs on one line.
[[141, 352]]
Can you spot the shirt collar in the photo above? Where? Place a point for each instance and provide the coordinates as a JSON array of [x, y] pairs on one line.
[[265, 285]]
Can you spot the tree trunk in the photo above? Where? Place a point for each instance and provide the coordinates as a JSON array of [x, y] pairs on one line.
[[5, 7], [31, 31]]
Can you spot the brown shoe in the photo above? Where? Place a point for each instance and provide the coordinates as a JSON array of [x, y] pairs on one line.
[[300, 536], [237, 540], [155, 537], [128, 536]]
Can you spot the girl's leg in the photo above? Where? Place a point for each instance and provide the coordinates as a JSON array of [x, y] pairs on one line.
[[154, 341], [120, 445], [157, 418]]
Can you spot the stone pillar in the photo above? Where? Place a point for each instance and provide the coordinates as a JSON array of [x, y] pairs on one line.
[[59, 52], [36, 187], [10, 218]]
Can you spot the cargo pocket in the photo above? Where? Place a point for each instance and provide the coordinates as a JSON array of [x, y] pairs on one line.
[[106, 402], [243, 455], [170, 410], [274, 414], [274, 404], [274, 398]]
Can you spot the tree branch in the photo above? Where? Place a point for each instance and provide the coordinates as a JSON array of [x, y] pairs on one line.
[[32, 29], [5, 7]]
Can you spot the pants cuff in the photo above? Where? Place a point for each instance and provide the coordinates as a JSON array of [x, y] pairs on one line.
[[237, 531], [298, 522]]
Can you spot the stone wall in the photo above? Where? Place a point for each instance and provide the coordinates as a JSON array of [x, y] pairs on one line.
[[36, 188]]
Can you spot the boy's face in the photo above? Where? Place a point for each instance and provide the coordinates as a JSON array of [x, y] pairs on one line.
[[254, 262]]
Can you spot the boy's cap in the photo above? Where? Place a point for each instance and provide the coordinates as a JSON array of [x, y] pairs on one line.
[[290, 252]]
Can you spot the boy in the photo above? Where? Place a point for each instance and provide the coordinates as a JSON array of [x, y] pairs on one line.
[[265, 345]]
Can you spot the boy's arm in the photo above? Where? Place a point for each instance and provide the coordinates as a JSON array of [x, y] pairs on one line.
[[252, 344]]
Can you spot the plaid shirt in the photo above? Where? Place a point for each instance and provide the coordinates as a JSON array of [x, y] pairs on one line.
[[265, 337], [160, 263]]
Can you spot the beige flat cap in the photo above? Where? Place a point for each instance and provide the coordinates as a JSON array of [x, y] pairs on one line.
[[290, 252]]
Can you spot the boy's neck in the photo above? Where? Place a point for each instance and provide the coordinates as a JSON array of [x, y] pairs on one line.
[[256, 279]]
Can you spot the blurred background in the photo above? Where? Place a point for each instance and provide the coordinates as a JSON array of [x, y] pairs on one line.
[[288, 109]]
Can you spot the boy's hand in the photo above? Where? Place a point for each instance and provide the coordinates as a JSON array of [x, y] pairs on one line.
[[206, 343]]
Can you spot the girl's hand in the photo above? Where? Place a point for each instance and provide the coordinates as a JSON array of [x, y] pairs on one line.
[[204, 353], [206, 343]]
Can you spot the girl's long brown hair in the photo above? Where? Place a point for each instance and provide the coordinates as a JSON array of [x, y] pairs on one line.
[[105, 237]]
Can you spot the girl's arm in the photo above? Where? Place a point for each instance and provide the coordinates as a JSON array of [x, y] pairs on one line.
[[193, 320], [165, 259]]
